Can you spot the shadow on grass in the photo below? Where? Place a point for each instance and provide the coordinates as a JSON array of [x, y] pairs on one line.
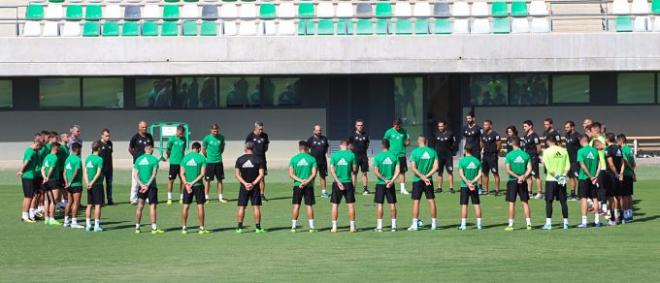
[[646, 219]]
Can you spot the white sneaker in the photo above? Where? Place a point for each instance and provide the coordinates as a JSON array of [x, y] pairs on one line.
[[66, 225], [412, 228], [538, 196], [77, 226], [404, 192]]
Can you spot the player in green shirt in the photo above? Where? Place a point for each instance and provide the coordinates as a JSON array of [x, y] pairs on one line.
[[587, 158], [51, 181], [302, 169], [27, 175], [519, 168], [73, 186], [343, 167], [557, 165], [213, 145], [424, 163], [469, 170], [193, 167], [92, 173], [62, 155], [399, 140], [176, 149], [146, 170], [629, 177], [386, 169]]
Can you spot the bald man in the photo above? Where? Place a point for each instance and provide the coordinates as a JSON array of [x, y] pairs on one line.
[[136, 149], [318, 144]]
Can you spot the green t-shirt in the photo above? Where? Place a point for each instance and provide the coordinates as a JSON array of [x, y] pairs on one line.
[[193, 163], [62, 155], [386, 163], [630, 158], [397, 140], [556, 162], [71, 164], [302, 164], [32, 157], [145, 165], [470, 166], [423, 157], [41, 155], [177, 148], [343, 162], [518, 160], [214, 146], [93, 163], [589, 156], [50, 162]]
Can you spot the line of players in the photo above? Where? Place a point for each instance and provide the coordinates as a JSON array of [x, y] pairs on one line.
[[595, 183]]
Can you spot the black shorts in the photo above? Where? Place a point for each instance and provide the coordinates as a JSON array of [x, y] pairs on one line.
[[403, 164], [197, 192], [553, 191], [28, 188], [39, 185], [586, 189], [445, 164], [613, 188], [95, 195], [489, 164], [348, 193], [535, 161], [476, 151], [253, 196], [322, 167], [362, 161], [466, 195], [214, 170], [383, 193], [151, 195], [74, 189], [306, 193], [52, 185], [627, 186], [263, 157], [513, 190], [419, 187], [574, 172], [175, 169]]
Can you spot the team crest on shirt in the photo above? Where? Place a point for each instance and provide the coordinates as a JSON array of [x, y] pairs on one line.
[[144, 161], [248, 164], [191, 162], [519, 159], [426, 155], [387, 161], [471, 166], [342, 162], [302, 162]]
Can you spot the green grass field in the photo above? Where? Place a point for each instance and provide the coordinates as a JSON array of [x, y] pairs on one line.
[[36, 252]]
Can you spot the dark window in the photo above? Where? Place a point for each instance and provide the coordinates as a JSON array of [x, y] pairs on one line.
[[240, 92], [570, 88], [59, 92], [196, 92], [488, 90], [529, 89], [154, 92], [103, 92], [6, 99], [281, 91], [635, 88]]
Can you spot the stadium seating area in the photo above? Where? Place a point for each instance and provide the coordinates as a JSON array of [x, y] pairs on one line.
[[93, 18]]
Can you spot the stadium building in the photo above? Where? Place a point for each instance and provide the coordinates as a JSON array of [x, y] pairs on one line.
[[292, 64]]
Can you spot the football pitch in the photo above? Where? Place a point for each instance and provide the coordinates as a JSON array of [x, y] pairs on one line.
[[36, 252]]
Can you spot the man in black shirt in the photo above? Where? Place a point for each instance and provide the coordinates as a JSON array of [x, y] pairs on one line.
[[532, 145], [319, 149], [105, 152], [572, 141], [136, 149], [359, 142], [472, 135], [444, 143], [250, 171], [615, 168], [549, 127], [260, 142], [491, 143]]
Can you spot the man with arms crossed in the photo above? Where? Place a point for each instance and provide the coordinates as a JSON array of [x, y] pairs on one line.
[[386, 169], [424, 163], [302, 169]]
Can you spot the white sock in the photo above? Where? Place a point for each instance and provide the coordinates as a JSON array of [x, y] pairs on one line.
[[548, 221], [220, 196], [565, 221], [323, 191], [169, 196], [584, 219], [403, 186], [180, 196], [334, 224], [352, 222], [88, 222], [604, 207], [311, 223], [66, 219], [97, 222], [463, 221], [596, 218], [154, 226], [293, 223], [433, 223], [379, 224], [529, 221], [202, 228], [207, 197], [24, 215], [137, 225], [184, 227], [74, 220], [510, 222], [414, 222], [40, 208], [31, 212], [393, 223]]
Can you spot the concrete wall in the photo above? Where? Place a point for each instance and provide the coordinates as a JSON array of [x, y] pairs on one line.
[[630, 120], [554, 52]]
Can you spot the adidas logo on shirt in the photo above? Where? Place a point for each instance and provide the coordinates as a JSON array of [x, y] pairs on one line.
[[68, 166], [46, 164], [144, 161], [387, 161], [248, 164], [302, 162], [89, 164], [191, 162], [426, 156], [590, 155], [519, 159], [472, 166], [342, 162]]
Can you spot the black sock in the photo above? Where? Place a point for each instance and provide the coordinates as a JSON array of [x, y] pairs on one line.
[[258, 225], [240, 225]]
